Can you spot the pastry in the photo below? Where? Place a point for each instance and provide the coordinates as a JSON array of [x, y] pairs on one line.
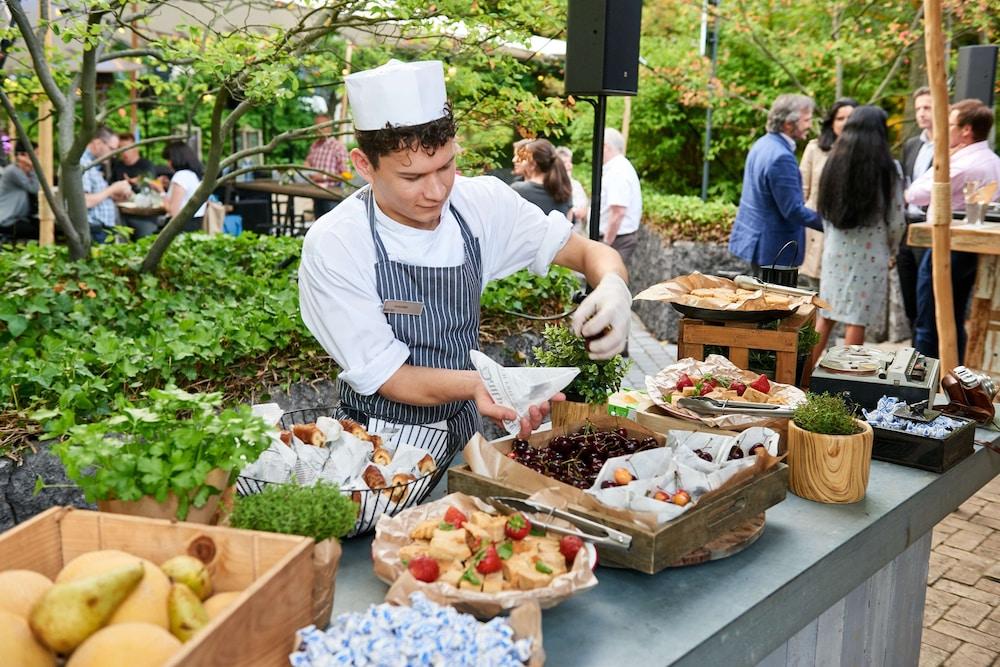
[[309, 434], [381, 456], [373, 478], [399, 489], [426, 465]]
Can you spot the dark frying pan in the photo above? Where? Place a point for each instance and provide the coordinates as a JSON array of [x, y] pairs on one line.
[[713, 315]]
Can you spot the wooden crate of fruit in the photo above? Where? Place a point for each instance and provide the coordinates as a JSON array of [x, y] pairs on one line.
[[651, 549], [273, 574]]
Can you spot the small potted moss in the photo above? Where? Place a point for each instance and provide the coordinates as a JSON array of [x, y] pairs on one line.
[[320, 511], [829, 451], [588, 394]]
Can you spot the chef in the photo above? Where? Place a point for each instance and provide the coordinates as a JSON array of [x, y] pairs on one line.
[[390, 280]]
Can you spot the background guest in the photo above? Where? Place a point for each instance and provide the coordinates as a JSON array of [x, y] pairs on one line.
[[138, 171], [329, 154], [918, 154], [772, 210], [100, 197], [19, 197], [546, 183], [187, 177], [621, 197], [861, 201], [811, 167], [581, 202]]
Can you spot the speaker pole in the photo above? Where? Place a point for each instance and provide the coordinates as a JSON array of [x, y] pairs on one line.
[[597, 160]]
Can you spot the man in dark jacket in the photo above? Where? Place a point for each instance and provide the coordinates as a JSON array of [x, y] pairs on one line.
[[772, 211], [918, 152]]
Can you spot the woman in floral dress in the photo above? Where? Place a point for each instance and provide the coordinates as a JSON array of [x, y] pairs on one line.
[[861, 201]]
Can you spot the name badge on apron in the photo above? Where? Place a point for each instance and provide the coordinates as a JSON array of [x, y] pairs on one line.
[[395, 307]]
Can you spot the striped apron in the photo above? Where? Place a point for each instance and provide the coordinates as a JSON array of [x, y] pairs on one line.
[[440, 337]]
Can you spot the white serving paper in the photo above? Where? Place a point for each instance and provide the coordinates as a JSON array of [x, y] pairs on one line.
[[520, 388], [719, 447]]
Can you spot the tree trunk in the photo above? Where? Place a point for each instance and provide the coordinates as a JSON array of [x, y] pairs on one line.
[[71, 192]]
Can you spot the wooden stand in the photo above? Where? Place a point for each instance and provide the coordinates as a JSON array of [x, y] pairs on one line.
[[829, 468], [741, 337]]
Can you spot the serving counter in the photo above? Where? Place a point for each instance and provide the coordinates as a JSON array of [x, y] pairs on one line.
[[824, 585]]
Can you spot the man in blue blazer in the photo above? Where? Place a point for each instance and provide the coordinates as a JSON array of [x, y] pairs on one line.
[[772, 210]]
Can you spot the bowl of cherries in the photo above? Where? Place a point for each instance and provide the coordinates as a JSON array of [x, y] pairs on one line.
[[576, 457]]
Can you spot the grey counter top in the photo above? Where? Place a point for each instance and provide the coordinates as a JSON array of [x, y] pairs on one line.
[[738, 610]]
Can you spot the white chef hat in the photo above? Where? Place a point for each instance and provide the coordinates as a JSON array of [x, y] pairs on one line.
[[397, 93]]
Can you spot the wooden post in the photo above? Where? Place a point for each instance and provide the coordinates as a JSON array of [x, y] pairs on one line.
[[940, 210], [46, 219]]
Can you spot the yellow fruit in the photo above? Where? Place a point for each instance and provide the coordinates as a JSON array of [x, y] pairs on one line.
[[72, 611], [18, 646], [21, 589], [126, 645], [146, 604], [219, 602], [190, 571], [187, 613]]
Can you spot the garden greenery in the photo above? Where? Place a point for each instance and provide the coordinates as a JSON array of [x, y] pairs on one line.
[[320, 511], [681, 218]]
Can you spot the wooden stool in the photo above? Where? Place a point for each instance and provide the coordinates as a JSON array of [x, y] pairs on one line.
[[741, 337]]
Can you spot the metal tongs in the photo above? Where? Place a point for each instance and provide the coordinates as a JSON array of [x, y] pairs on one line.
[[750, 282], [703, 405], [591, 531]]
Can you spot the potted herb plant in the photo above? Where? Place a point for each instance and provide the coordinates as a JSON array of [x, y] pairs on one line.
[[172, 455], [321, 512], [588, 393], [829, 451]]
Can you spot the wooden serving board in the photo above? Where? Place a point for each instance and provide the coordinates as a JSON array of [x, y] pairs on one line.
[[727, 545]]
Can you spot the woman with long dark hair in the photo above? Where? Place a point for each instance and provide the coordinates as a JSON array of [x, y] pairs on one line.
[[187, 177], [813, 159], [546, 183], [861, 201]]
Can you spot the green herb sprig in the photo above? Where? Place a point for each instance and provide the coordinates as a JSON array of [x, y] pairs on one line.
[[597, 379], [827, 414], [320, 511]]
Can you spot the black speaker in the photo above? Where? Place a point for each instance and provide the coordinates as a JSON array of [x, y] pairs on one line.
[[602, 47], [975, 77]]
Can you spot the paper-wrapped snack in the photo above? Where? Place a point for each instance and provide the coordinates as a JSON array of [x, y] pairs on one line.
[[714, 293], [520, 388], [709, 452], [393, 534], [662, 389]]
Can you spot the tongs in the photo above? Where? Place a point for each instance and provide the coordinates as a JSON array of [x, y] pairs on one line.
[[591, 531], [750, 282], [918, 412], [703, 405]]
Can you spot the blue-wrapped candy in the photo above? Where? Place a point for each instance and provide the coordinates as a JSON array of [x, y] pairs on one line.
[[883, 417]]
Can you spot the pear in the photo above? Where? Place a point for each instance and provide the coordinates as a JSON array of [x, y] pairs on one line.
[[70, 612], [190, 571], [219, 602], [187, 613]]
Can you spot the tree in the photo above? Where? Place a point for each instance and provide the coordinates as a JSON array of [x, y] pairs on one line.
[[224, 68]]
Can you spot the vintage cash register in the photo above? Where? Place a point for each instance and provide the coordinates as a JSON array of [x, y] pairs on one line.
[[867, 374]]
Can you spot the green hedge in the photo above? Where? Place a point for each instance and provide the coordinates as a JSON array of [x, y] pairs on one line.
[[222, 314], [681, 218]]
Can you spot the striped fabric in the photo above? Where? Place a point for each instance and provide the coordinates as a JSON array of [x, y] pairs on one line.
[[440, 337]]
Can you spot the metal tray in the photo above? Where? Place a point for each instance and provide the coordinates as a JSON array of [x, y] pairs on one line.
[[713, 315]]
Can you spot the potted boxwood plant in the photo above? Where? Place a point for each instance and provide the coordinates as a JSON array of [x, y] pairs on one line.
[[829, 451], [588, 393], [172, 455], [321, 512]]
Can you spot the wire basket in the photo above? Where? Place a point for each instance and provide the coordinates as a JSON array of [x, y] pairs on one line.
[[388, 500]]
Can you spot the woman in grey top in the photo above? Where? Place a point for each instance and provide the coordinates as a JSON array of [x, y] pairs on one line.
[[546, 183]]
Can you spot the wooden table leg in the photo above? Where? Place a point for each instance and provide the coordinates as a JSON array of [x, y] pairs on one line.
[[982, 350]]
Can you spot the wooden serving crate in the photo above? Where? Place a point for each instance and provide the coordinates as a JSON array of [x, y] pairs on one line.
[[651, 550], [274, 572], [741, 337]]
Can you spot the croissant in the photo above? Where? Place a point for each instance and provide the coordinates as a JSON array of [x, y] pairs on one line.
[[381, 456], [426, 465], [309, 434], [398, 491], [286, 437], [373, 478]]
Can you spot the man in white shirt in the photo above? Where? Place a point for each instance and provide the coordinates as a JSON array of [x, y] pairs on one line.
[[390, 280], [621, 197], [972, 159]]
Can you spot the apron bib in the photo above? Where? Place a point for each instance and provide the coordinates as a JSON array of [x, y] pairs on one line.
[[439, 337]]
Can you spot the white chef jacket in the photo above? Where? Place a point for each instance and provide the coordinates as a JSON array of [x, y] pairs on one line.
[[337, 292]]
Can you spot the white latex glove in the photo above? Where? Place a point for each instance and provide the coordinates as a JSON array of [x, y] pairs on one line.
[[610, 304]]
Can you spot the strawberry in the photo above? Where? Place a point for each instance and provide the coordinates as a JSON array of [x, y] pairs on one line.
[[761, 384], [517, 527], [569, 545], [738, 387], [706, 388], [424, 568], [455, 517], [490, 562], [684, 381]]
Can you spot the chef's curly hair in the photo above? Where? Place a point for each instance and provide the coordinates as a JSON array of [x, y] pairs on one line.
[[427, 136]]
